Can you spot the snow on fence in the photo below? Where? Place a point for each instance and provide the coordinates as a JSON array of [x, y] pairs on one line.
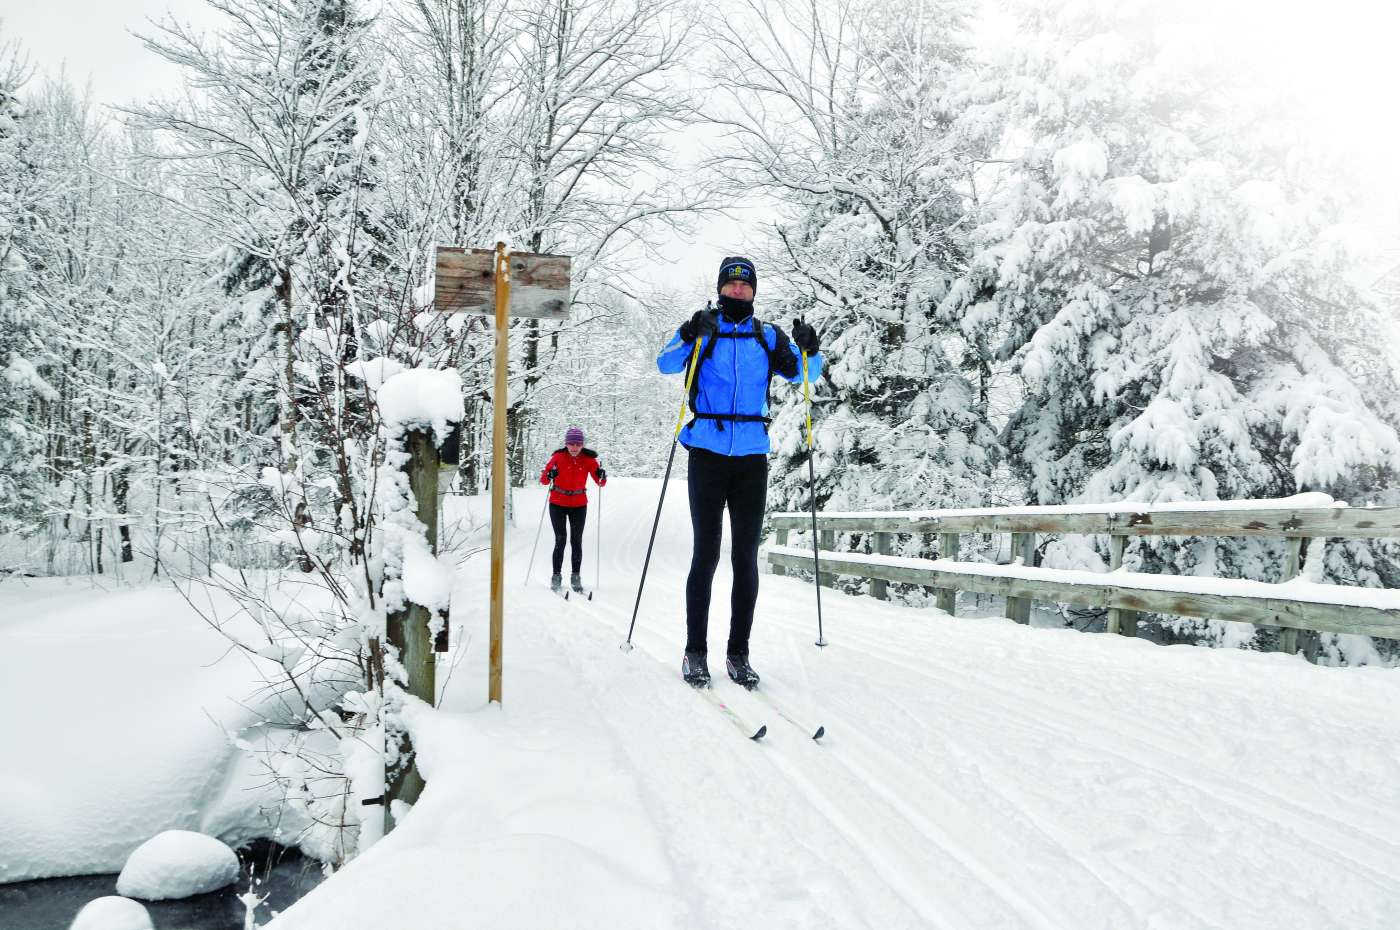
[[1294, 604]]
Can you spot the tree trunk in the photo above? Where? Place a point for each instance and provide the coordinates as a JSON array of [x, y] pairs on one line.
[[467, 461], [121, 488], [521, 416], [287, 394]]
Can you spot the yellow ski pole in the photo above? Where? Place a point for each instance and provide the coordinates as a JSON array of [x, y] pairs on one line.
[[812, 488], [680, 424]]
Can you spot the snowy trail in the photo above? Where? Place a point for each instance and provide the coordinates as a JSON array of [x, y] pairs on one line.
[[910, 852], [1139, 746], [903, 863], [992, 703], [975, 773]]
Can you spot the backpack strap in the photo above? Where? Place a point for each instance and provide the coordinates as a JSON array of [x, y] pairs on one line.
[[699, 362], [755, 331]]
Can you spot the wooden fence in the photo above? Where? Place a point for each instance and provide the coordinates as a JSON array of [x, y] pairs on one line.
[[1291, 605]]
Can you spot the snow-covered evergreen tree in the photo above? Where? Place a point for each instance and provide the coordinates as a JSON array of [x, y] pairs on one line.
[[1175, 291]]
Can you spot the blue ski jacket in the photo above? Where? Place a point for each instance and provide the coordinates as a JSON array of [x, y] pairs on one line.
[[734, 380]]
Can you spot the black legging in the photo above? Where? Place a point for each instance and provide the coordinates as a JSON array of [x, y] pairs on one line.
[[575, 517], [741, 483]]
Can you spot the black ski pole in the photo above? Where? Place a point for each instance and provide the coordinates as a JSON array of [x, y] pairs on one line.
[[537, 534], [812, 490], [675, 439]]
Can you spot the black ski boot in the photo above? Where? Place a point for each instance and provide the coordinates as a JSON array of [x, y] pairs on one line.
[[741, 672], [576, 582], [695, 670], [556, 583]]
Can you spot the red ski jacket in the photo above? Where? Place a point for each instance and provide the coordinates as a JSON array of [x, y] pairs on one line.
[[570, 487]]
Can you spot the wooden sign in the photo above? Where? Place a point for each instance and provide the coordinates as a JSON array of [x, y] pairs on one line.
[[501, 285], [466, 283]]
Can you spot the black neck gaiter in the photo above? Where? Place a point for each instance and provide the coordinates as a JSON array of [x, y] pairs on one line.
[[734, 309]]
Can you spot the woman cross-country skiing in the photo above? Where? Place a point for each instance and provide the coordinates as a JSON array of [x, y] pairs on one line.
[[728, 447], [567, 474]]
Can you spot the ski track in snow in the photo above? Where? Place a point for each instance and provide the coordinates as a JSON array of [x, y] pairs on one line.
[[723, 863], [896, 860], [1137, 746], [1279, 812], [976, 773]]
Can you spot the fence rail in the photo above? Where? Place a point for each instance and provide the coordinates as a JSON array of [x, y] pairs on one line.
[[1290, 607], [1293, 523]]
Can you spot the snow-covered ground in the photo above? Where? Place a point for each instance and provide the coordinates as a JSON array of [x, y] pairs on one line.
[[975, 773], [117, 704]]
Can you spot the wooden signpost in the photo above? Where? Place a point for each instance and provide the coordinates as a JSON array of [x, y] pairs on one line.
[[467, 282], [494, 282]]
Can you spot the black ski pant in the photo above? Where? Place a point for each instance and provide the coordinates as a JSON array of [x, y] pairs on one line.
[[574, 516], [739, 482]]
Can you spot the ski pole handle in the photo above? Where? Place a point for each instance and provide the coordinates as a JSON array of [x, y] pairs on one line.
[[689, 380]]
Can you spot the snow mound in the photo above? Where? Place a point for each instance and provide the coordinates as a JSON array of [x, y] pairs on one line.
[[421, 398], [112, 913], [178, 864], [135, 762]]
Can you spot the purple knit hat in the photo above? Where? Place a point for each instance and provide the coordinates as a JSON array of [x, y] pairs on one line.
[[573, 434]]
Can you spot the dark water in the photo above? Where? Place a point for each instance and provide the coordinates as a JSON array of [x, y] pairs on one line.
[[51, 904]]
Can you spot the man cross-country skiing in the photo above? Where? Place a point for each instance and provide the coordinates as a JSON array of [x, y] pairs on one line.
[[728, 446]]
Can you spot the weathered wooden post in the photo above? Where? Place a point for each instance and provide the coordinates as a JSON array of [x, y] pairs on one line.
[[1292, 563], [408, 629], [828, 540], [499, 284], [879, 587], [947, 549], [449, 467], [782, 539], [1120, 620], [1023, 548], [499, 406]]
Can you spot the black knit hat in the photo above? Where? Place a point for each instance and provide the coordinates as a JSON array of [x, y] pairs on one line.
[[737, 268]]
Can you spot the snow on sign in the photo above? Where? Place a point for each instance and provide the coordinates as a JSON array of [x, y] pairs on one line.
[[466, 283]]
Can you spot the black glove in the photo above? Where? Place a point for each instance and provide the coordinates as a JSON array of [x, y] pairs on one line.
[[805, 336], [703, 323], [602, 474], [552, 473]]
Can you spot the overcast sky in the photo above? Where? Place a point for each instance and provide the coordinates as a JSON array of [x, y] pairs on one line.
[[92, 40]]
